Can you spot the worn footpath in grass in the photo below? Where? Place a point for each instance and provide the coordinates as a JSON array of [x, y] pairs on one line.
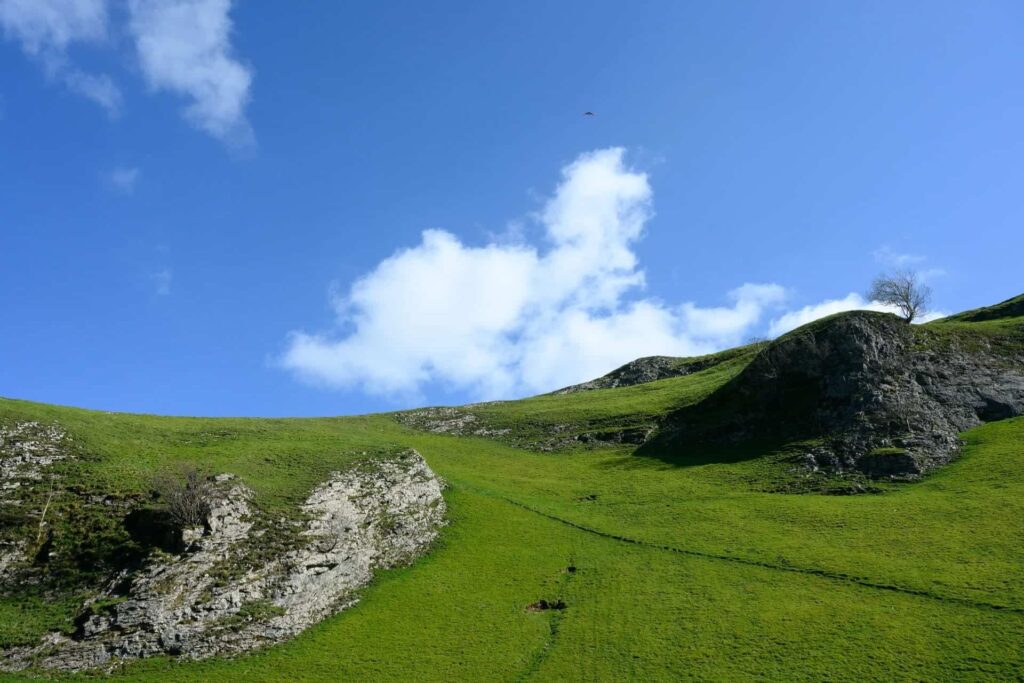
[[632, 612]]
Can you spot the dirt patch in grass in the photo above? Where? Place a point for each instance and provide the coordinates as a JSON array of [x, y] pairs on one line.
[[545, 605]]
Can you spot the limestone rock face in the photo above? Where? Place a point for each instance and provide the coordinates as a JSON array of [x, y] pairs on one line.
[[27, 452], [639, 371], [376, 515], [884, 397]]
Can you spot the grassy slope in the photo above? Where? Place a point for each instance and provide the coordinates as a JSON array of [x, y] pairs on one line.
[[685, 570], [533, 419]]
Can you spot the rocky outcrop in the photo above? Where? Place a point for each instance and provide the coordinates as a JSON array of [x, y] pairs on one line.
[[222, 596], [28, 451], [878, 395], [553, 437], [654, 368], [639, 371], [447, 420]]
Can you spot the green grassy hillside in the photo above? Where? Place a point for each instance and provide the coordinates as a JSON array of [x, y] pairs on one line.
[[702, 566]]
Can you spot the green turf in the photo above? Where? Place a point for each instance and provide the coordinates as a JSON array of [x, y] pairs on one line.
[[535, 419], [688, 566]]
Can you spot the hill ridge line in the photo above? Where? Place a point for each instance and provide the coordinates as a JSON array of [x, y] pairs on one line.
[[806, 571]]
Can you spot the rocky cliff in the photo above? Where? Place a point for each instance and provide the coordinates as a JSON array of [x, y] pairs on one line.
[[28, 452], [222, 594], [869, 391]]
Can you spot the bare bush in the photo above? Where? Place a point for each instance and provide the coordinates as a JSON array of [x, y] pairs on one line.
[[757, 342], [905, 291], [187, 496]]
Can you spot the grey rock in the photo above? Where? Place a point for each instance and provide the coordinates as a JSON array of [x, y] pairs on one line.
[[28, 450], [447, 420], [654, 368], [374, 515], [886, 398], [639, 371]]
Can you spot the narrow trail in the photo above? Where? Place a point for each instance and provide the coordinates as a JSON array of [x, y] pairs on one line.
[[805, 571], [554, 622]]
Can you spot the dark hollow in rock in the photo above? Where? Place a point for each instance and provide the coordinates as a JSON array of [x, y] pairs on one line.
[[990, 409], [154, 528], [629, 435], [42, 556]]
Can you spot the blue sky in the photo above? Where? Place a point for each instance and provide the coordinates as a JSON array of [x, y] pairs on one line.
[[219, 209]]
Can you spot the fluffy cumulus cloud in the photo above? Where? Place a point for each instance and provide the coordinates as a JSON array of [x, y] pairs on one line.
[[179, 46], [505, 319]]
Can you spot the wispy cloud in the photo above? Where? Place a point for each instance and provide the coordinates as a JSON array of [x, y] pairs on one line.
[[886, 256], [99, 88], [507, 318], [899, 261], [928, 274], [162, 281], [123, 179], [181, 46], [46, 28], [184, 46]]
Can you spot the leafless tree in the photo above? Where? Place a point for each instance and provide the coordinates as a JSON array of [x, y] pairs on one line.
[[187, 496], [905, 291]]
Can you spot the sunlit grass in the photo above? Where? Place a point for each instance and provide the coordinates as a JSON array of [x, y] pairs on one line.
[[686, 567]]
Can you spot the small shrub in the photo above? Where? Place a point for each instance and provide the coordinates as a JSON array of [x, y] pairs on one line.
[[187, 497]]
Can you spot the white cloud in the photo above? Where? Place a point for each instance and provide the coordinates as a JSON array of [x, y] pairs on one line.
[[184, 46], [749, 301], [123, 179], [162, 281], [44, 26], [929, 274], [47, 28], [902, 262], [97, 87], [510, 318], [794, 319], [851, 302], [505, 319], [888, 257]]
